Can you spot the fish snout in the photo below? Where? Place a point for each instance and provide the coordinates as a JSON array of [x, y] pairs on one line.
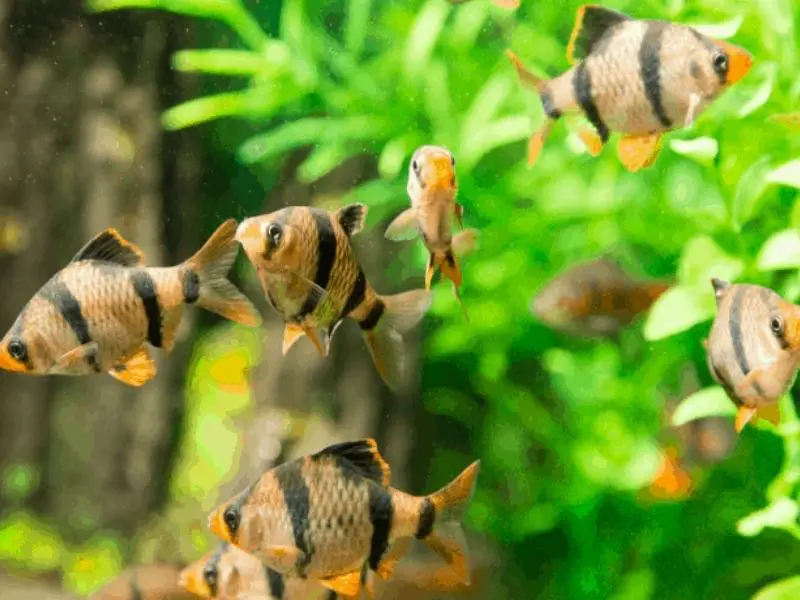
[[740, 61], [187, 580], [8, 363], [216, 524], [440, 173]]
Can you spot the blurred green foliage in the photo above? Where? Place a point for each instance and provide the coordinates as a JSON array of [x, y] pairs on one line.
[[570, 431]]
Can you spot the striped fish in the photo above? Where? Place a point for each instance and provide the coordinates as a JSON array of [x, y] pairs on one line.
[[145, 582], [311, 276], [753, 350], [97, 314], [228, 573], [432, 188], [641, 78], [594, 299], [333, 518]]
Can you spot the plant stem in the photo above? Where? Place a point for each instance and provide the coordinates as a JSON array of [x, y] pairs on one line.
[[245, 25]]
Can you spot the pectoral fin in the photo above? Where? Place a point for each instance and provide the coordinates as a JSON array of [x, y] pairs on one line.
[[71, 360], [743, 417], [638, 152], [345, 585], [404, 226], [136, 371], [291, 334], [458, 211], [282, 558], [592, 140], [770, 412]]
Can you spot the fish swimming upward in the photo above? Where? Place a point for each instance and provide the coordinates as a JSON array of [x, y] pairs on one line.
[[229, 573], [332, 517], [640, 78], [594, 299], [432, 189], [311, 276], [97, 313], [753, 349]]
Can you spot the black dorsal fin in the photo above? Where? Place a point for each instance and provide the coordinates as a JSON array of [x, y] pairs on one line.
[[110, 246], [363, 455], [351, 218], [591, 25]]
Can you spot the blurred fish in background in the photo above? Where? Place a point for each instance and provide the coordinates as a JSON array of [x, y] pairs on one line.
[[146, 582], [594, 299], [509, 4]]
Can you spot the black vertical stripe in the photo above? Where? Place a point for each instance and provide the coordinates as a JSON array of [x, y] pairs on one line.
[[381, 511], [326, 255], [427, 516], [146, 289], [211, 569], [295, 496], [582, 88], [58, 294], [371, 320], [190, 285], [735, 327], [356, 296], [550, 109], [136, 591], [650, 69], [277, 587]]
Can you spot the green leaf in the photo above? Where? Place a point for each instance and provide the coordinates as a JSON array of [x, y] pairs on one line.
[[391, 160], [702, 150], [207, 9], [721, 31], [678, 309], [356, 25], [502, 132], [787, 174], [201, 110], [781, 514], [218, 62], [709, 402], [781, 251], [703, 259], [322, 160], [749, 190], [423, 37], [485, 105], [785, 589], [761, 95]]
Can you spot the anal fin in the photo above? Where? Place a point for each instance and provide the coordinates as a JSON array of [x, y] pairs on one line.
[[291, 334], [136, 371], [348, 585], [639, 151], [592, 140], [743, 416], [770, 412]]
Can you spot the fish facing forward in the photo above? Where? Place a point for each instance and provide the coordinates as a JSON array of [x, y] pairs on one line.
[[432, 188], [753, 350], [594, 299], [640, 78], [145, 582], [229, 573], [333, 518], [311, 276], [98, 313]]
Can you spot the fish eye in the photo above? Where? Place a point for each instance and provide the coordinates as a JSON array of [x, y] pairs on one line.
[[231, 517], [274, 232], [720, 62], [210, 575], [415, 165], [17, 350], [776, 325]]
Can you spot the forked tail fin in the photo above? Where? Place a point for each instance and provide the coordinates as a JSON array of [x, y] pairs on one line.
[[440, 521], [206, 282], [382, 328]]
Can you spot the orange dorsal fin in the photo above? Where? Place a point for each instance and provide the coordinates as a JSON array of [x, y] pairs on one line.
[[109, 246], [591, 25]]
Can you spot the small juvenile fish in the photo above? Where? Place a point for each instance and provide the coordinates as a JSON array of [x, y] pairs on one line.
[[595, 298], [229, 573], [96, 314], [432, 189], [641, 78], [753, 350], [333, 518], [311, 276], [145, 582]]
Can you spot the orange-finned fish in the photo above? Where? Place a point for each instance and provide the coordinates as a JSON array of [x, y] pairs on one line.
[[671, 481], [146, 582], [509, 4], [753, 349], [97, 313], [594, 298], [641, 78], [432, 188], [311, 276], [332, 517], [228, 573]]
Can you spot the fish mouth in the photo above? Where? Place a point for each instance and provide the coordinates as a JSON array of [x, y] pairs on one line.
[[9, 364], [216, 525], [740, 62], [188, 581], [442, 176]]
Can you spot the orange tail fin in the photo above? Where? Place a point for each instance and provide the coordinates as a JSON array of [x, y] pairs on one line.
[[446, 536], [207, 280]]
